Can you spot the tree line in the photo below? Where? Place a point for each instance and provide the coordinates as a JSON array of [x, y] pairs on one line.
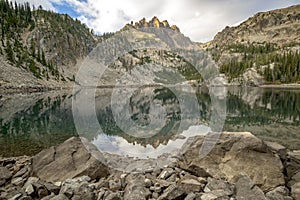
[[14, 21], [276, 64]]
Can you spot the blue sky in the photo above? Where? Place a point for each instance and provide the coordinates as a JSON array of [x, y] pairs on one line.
[[198, 19]]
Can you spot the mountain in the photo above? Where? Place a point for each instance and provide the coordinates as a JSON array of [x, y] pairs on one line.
[[43, 49], [263, 49], [40, 48], [280, 27], [154, 22]]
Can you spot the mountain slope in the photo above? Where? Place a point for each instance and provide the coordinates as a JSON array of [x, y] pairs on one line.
[[280, 26], [40, 48], [263, 49]]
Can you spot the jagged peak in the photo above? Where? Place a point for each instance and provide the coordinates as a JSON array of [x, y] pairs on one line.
[[154, 22]]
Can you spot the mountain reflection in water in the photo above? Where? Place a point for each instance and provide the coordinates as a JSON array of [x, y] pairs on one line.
[[32, 122]]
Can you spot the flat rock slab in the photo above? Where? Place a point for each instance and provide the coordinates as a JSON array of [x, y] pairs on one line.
[[68, 160], [235, 154]]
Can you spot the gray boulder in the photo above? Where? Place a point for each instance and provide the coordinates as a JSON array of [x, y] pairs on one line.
[[235, 153], [279, 193], [68, 160], [5, 174], [247, 190]]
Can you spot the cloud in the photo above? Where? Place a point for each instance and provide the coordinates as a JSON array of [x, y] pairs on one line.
[[198, 19]]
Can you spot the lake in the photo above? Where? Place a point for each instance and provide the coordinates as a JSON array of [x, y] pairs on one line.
[[156, 120]]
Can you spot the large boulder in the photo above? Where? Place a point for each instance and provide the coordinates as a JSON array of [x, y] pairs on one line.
[[235, 154], [68, 160]]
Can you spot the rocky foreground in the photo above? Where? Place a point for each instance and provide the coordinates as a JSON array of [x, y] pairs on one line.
[[240, 167]]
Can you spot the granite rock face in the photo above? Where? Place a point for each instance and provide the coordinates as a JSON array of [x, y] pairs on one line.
[[154, 22]]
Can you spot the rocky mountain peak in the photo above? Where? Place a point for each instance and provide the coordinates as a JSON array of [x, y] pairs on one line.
[[279, 26], [154, 22]]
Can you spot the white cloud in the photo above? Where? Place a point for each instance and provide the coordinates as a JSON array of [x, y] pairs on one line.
[[198, 19]]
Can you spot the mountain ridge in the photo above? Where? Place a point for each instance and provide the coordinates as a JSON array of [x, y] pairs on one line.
[[154, 22], [260, 27], [46, 49]]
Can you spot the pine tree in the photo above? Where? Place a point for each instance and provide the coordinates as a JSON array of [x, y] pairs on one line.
[[9, 52]]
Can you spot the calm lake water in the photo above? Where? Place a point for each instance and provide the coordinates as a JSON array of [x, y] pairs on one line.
[[32, 122]]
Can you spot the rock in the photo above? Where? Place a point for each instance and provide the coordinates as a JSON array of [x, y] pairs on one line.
[[77, 188], [293, 164], [250, 77], [135, 188], [235, 153], [198, 171], [212, 196], [42, 192], [172, 178], [162, 183], [5, 174], [114, 186], [28, 186], [48, 197], [68, 160], [67, 191], [101, 194], [202, 180], [190, 196], [123, 180], [31, 180], [148, 182], [29, 189], [166, 173], [190, 185], [173, 192], [2, 182], [41, 189], [279, 193], [17, 181], [246, 189], [60, 197], [17, 196], [52, 188], [155, 195], [277, 149], [113, 196], [214, 184], [25, 198], [12, 192], [58, 183], [294, 179], [295, 190], [21, 172]]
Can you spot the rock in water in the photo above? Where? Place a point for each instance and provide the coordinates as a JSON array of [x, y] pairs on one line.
[[236, 153], [68, 160]]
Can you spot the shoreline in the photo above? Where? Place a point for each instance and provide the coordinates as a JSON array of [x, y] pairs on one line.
[[33, 89], [283, 86], [229, 172]]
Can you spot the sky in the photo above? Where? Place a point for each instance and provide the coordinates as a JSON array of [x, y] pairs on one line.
[[198, 19]]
